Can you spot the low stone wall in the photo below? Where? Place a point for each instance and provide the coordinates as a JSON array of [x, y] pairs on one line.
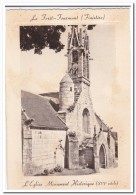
[[42, 149], [48, 148]]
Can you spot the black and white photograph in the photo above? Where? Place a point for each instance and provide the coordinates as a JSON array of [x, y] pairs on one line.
[[61, 132]]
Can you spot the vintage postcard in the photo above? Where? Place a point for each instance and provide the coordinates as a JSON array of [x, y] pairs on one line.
[[69, 98]]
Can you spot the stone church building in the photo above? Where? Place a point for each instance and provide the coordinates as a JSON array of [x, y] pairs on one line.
[[61, 128]]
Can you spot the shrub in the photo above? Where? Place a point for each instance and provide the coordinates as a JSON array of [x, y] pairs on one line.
[[46, 172], [72, 134], [71, 108], [58, 168], [51, 171]]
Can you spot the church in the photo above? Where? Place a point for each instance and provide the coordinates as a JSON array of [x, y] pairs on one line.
[[61, 128]]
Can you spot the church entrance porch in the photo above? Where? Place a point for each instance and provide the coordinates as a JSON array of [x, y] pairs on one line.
[[102, 157], [86, 158], [86, 153], [89, 157]]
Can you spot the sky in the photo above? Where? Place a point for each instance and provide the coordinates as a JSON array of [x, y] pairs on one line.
[[42, 73]]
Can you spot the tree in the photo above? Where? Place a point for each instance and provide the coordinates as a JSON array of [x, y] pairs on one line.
[[39, 37]]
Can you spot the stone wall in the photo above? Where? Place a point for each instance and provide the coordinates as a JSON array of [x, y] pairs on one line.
[[110, 150], [102, 140], [42, 149], [75, 117], [48, 148], [73, 153], [66, 95], [27, 149]]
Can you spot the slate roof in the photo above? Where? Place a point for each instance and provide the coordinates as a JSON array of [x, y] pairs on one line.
[[101, 123], [54, 99], [40, 109], [105, 128], [66, 79], [51, 94]]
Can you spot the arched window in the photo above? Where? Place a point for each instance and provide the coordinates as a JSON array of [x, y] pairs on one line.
[[86, 120]]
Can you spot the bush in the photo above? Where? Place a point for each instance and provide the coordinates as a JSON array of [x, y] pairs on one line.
[[58, 168], [46, 172], [72, 134], [51, 171]]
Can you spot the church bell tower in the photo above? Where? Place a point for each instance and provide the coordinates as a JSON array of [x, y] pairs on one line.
[[78, 55]]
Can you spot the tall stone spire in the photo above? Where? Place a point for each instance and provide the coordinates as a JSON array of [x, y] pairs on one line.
[[78, 54]]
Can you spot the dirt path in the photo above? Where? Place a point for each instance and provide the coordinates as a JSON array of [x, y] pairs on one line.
[[86, 171]]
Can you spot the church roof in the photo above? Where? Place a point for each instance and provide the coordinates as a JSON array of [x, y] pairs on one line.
[[39, 108], [66, 79], [54, 99], [101, 123], [105, 128], [51, 94]]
